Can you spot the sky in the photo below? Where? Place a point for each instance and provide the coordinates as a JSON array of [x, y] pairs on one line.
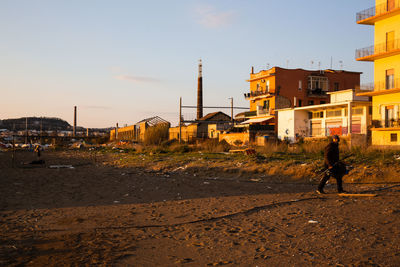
[[122, 61]]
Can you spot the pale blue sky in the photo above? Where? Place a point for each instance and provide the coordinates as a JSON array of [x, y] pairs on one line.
[[123, 61]]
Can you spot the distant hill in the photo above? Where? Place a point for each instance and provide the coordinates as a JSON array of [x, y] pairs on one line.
[[35, 123]]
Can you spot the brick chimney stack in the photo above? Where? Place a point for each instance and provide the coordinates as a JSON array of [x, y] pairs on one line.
[[200, 92]]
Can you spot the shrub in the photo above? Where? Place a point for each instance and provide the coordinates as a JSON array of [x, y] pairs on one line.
[[213, 145], [171, 142], [178, 148], [156, 135]]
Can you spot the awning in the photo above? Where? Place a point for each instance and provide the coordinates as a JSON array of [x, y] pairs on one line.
[[257, 120]]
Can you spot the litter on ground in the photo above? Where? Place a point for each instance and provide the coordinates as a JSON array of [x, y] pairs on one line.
[[61, 167]]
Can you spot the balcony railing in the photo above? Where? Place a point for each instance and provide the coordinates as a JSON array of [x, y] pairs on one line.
[[386, 85], [391, 123], [366, 87], [249, 114], [264, 111], [378, 50], [378, 10], [256, 93], [316, 92]]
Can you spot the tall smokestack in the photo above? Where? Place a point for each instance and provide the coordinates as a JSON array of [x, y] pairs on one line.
[[200, 92], [74, 129]]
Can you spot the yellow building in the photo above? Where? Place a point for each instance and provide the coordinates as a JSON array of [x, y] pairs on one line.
[[138, 131], [200, 128], [385, 53]]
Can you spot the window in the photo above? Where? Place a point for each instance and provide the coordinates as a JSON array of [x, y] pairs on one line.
[[370, 110], [258, 87], [334, 113], [390, 5], [393, 137], [317, 115], [357, 111], [267, 86], [322, 102], [299, 102], [389, 79], [389, 41], [389, 116], [318, 83], [266, 104], [300, 85], [311, 102], [336, 86]]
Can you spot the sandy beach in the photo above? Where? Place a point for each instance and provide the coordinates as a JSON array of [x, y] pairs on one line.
[[97, 214]]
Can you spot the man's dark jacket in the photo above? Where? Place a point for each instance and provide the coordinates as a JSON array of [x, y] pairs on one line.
[[331, 155]]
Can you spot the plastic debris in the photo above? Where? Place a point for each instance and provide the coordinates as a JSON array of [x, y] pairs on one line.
[[61, 167]]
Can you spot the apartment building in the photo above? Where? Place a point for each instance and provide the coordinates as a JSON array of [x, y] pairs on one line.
[[385, 54], [279, 88]]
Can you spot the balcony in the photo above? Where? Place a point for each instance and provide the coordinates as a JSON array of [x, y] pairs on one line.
[[249, 114], [381, 87], [262, 111], [255, 94], [378, 51], [317, 92], [386, 124], [371, 15]]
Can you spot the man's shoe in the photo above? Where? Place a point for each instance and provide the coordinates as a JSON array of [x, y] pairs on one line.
[[320, 192]]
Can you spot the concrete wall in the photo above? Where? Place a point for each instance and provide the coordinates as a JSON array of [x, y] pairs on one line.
[[291, 123], [381, 137], [124, 133], [230, 138], [301, 123], [214, 130], [286, 123], [341, 97], [189, 133]]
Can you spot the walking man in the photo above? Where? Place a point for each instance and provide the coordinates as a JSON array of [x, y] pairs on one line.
[[334, 167]]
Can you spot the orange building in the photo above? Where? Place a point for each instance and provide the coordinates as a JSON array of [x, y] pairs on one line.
[[279, 88]]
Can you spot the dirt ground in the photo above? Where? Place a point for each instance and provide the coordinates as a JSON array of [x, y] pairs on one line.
[[96, 214]]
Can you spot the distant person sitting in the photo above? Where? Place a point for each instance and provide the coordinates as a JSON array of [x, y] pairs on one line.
[[333, 166]]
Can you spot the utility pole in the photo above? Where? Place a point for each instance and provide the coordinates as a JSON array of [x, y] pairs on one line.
[[26, 130], [41, 130], [231, 98], [74, 128]]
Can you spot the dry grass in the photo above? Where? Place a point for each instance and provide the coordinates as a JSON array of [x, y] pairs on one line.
[[282, 162], [156, 135]]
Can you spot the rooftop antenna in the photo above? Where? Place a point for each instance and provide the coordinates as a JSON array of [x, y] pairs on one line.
[[341, 64], [319, 65], [287, 63], [312, 63], [331, 62], [267, 66]]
